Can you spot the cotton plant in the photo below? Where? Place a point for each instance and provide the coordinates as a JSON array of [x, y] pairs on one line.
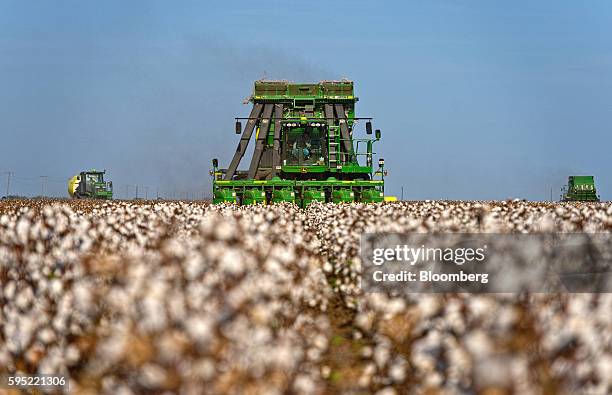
[[170, 296]]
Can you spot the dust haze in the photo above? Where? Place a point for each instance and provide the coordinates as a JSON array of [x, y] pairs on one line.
[[230, 71]]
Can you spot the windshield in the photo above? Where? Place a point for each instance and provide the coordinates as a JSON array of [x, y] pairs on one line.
[[91, 178], [304, 146]]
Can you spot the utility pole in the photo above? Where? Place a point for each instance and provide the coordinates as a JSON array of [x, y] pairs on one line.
[[43, 185], [136, 191], [551, 194], [146, 193], [8, 182], [402, 198], [157, 194], [127, 191]]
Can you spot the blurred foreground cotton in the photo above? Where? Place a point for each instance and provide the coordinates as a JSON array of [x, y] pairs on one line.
[[132, 297]]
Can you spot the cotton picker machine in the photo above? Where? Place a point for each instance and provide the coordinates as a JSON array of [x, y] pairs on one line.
[[305, 149], [90, 185], [579, 189]]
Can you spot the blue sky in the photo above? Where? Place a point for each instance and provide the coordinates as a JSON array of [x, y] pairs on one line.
[[476, 99]]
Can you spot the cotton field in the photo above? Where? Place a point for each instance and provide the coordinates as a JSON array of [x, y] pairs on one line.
[[186, 297]]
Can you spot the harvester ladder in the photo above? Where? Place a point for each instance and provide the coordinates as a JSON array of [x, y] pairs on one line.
[[333, 146]]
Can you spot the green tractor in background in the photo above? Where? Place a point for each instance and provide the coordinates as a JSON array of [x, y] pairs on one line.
[[90, 185], [579, 189], [305, 149]]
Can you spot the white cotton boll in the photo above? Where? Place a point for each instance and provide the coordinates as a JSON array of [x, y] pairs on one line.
[[199, 328], [232, 262], [194, 266], [224, 230], [480, 306], [478, 344], [24, 298], [112, 348], [39, 247], [381, 355], [284, 355], [386, 391], [320, 342], [82, 296], [397, 372], [176, 307], [22, 229], [546, 224], [493, 372], [153, 376], [22, 336], [272, 266], [55, 287], [260, 335], [52, 362], [9, 290], [120, 300], [506, 317], [5, 358], [313, 354], [304, 385], [46, 335], [433, 379], [604, 368], [121, 390], [366, 351], [154, 314], [396, 306], [365, 320], [72, 354], [204, 369], [429, 305], [369, 370]]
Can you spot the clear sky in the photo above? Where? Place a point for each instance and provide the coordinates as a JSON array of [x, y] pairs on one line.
[[476, 99]]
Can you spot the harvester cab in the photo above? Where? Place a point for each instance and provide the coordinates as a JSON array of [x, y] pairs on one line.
[[305, 148], [579, 189], [90, 184]]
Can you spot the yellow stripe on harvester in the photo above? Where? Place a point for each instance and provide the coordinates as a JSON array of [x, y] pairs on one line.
[[390, 198]]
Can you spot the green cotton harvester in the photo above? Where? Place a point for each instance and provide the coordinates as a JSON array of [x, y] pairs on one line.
[[306, 149], [90, 185], [579, 189]]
